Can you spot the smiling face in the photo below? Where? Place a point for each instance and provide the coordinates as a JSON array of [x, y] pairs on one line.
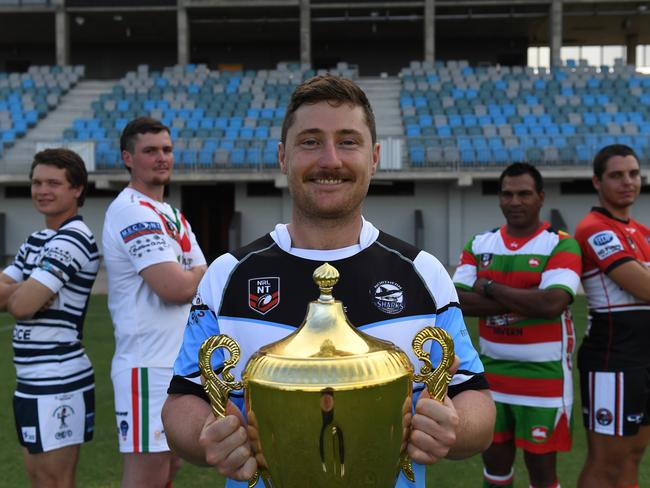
[[151, 161], [520, 203], [329, 159], [619, 185], [53, 195]]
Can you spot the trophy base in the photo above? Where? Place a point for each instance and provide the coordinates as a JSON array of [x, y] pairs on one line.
[[329, 438]]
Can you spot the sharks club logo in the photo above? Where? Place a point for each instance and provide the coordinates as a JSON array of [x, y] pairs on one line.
[[388, 297]]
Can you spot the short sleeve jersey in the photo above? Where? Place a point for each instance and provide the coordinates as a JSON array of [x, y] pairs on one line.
[[527, 360], [259, 294], [140, 232], [48, 353], [618, 335]]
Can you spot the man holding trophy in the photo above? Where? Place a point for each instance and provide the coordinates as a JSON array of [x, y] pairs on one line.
[[257, 295]]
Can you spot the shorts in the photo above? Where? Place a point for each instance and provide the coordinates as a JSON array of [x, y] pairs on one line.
[[139, 397], [48, 422], [538, 430], [615, 403]]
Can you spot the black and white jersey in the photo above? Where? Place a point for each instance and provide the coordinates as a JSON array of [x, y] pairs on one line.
[[48, 354], [389, 289]]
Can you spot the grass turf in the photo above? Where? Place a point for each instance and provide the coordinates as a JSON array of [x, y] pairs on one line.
[[100, 463]]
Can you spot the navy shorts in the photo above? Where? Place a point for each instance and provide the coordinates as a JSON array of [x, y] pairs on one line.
[[48, 422]]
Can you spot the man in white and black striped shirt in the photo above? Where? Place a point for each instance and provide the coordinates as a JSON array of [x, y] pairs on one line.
[[46, 289]]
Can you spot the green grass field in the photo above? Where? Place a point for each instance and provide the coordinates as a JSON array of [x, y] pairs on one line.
[[100, 464]]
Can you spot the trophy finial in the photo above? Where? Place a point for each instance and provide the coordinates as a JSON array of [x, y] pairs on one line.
[[326, 276]]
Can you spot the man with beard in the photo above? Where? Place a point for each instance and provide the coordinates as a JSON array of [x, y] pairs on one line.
[[329, 153], [613, 359], [154, 265], [520, 279]]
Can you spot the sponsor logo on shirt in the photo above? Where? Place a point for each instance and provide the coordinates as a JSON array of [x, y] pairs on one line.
[[140, 229], [388, 297], [605, 244], [533, 262], [57, 254], [539, 433], [263, 294], [145, 245], [604, 416], [29, 434], [48, 266], [635, 418]]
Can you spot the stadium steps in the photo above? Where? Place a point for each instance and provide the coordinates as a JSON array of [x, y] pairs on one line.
[[383, 94], [74, 104]]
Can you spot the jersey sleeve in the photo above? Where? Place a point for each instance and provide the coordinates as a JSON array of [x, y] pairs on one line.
[[564, 266], [465, 274], [15, 269], [450, 318], [139, 232], [63, 257], [603, 246]]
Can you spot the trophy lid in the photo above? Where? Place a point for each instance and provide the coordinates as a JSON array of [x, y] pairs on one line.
[[327, 351]]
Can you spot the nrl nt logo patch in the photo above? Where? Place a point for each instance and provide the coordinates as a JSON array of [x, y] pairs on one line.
[[263, 294]]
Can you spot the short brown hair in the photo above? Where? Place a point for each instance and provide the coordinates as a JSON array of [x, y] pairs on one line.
[[71, 162], [334, 90], [141, 125], [605, 154]]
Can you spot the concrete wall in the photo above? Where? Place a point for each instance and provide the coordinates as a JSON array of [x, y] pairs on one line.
[[451, 214]]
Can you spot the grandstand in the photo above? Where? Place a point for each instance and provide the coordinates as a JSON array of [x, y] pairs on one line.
[[455, 96]]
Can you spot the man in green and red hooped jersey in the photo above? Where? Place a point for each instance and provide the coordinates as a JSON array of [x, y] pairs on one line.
[[520, 279], [613, 358]]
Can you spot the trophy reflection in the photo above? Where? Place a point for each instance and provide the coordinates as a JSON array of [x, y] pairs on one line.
[[328, 406]]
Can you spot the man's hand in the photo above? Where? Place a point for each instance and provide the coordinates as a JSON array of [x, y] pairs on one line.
[[479, 285], [227, 446], [433, 427], [49, 303]]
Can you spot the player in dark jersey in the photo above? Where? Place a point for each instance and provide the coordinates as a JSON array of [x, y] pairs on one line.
[[613, 359], [329, 154]]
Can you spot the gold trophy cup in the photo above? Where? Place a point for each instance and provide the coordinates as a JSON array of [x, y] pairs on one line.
[[328, 406]]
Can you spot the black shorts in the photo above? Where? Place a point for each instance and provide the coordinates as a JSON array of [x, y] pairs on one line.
[[48, 422], [615, 403]]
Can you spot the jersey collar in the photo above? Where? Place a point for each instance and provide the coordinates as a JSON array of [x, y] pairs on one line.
[[608, 214], [367, 237], [514, 243]]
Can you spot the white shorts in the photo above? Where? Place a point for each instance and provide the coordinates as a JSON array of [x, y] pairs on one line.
[[139, 397], [48, 422]]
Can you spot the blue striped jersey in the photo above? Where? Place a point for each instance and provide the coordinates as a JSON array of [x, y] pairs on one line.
[[391, 290], [48, 354]]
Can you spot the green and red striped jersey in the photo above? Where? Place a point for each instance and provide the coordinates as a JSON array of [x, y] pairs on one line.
[[527, 360]]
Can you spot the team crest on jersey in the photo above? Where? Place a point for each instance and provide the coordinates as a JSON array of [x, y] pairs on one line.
[[263, 294], [388, 297], [486, 260], [539, 433], [533, 262]]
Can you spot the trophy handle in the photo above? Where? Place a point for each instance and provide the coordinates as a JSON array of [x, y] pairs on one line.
[[436, 380], [217, 389]]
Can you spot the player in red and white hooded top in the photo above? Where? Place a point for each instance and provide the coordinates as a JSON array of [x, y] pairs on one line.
[[613, 359]]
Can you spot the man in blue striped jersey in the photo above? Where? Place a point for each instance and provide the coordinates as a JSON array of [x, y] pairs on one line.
[[46, 288]]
